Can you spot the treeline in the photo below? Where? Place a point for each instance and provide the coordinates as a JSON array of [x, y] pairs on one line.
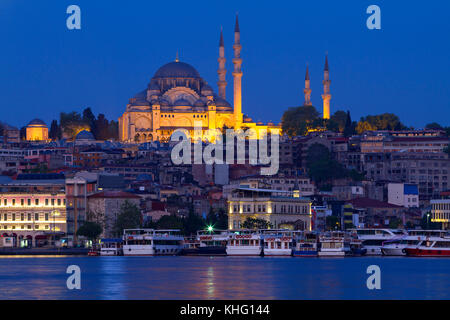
[[70, 124], [298, 121]]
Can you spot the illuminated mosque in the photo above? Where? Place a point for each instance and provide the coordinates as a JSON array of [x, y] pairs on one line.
[[177, 97]]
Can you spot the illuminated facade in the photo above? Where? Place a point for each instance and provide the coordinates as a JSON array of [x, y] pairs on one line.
[[440, 212], [37, 130], [178, 98], [33, 212], [280, 208]]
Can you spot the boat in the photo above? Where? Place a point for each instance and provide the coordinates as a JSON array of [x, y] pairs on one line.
[[334, 244], [111, 247], [356, 248], [212, 242], [93, 253], [397, 247], [431, 246], [244, 243], [190, 247], [306, 245], [373, 239], [150, 242], [277, 242], [167, 242]]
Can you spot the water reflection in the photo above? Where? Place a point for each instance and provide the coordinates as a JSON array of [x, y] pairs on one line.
[[223, 278]]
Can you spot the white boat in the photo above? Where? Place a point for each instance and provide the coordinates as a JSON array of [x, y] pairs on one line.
[[432, 246], [373, 239], [397, 247], [278, 242], [111, 247], [244, 243], [212, 243], [334, 244], [306, 245], [149, 242]]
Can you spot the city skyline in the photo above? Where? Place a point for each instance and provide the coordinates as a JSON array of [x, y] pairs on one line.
[[51, 69]]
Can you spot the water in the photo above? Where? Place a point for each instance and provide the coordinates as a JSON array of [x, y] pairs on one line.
[[224, 278]]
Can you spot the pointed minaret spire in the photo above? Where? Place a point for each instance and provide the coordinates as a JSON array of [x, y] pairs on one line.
[[237, 75], [307, 90], [222, 72], [177, 59], [326, 97]]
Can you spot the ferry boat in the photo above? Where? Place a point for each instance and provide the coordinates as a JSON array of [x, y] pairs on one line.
[[149, 242], [306, 245], [372, 238], [190, 247], [212, 243], [356, 248], [334, 244], [397, 247], [277, 242], [430, 247], [244, 243], [111, 247]]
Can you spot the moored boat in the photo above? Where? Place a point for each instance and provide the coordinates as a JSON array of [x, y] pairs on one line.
[[111, 247], [212, 242], [334, 244], [277, 242], [373, 239], [244, 243], [149, 242], [430, 247], [305, 245]]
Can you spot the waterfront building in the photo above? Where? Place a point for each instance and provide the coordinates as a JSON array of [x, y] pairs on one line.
[[403, 194], [440, 210], [104, 208], [33, 209], [280, 208], [37, 130]]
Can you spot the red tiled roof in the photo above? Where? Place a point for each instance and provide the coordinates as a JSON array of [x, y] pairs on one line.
[[114, 194], [371, 203]]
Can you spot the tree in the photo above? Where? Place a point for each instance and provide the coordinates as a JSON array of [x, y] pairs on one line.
[[193, 223], [364, 126], [434, 126], [55, 131], [340, 118], [349, 128], [102, 127], [394, 223], [171, 222], [89, 119], [129, 218], [255, 223], [90, 230], [332, 223], [297, 121], [71, 124]]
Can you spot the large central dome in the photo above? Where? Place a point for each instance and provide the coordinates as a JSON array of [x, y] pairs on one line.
[[177, 70]]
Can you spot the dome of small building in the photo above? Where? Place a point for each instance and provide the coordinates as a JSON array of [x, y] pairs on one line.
[[37, 122], [85, 135], [177, 70]]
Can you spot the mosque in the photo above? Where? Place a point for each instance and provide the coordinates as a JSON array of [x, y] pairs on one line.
[[177, 97]]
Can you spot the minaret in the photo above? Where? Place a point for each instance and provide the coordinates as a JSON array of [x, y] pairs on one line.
[[326, 90], [222, 72], [307, 89], [237, 75]]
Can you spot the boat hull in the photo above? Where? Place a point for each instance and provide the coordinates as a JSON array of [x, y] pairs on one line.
[[138, 250], [331, 253], [429, 252], [393, 251], [313, 253], [244, 251], [278, 252]]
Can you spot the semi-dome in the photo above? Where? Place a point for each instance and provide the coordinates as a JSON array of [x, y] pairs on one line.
[[177, 70], [182, 102], [84, 135], [37, 122]]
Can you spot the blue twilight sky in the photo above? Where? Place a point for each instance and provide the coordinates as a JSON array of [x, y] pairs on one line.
[[403, 68]]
